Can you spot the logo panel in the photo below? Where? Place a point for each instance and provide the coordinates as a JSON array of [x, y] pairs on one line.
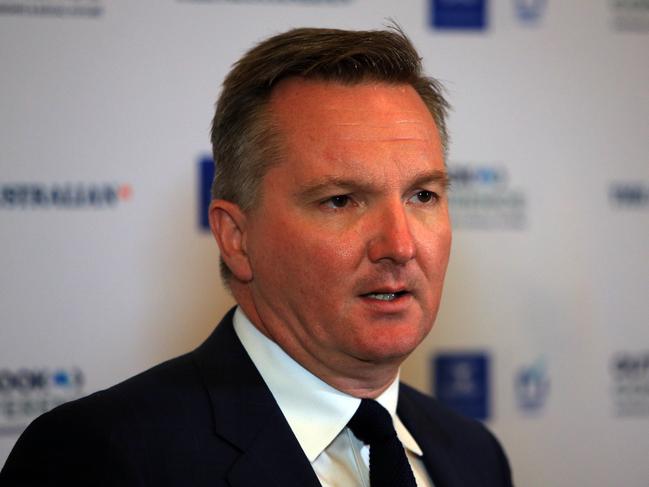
[[63, 196], [532, 386], [461, 381], [459, 14], [630, 383], [529, 11], [481, 198], [246, 2], [205, 178], [630, 15], [26, 393], [52, 8], [630, 194]]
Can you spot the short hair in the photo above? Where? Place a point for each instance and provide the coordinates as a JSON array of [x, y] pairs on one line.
[[245, 140]]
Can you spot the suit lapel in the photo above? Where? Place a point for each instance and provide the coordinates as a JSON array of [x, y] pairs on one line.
[[247, 416], [433, 441], [277, 463]]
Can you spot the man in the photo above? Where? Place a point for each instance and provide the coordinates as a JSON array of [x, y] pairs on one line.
[[331, 216]]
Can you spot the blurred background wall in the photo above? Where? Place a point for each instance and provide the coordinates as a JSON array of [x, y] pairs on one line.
[[105, 109]]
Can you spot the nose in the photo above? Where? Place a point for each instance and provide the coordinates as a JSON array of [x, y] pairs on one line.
[[391, 236]]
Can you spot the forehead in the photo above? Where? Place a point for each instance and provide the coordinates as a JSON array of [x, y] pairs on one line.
[[372, 111]]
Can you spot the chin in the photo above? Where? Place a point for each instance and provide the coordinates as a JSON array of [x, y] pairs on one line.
[[390, 351]]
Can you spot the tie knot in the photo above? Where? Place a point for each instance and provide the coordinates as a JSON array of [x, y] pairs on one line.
[[372, 423]]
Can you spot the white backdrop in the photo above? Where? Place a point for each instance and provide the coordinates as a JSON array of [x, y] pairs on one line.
[[105, 109]]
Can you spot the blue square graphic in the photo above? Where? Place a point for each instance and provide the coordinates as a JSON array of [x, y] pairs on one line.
[[459, 14], [461, 381], [205, 177]]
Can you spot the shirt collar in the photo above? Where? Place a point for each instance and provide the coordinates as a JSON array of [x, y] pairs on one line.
[[302, 396]]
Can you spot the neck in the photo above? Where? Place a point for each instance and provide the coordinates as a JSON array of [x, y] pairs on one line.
[[363, 389]]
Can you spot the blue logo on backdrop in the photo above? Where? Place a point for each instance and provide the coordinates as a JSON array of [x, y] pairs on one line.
[[477, 176], [28, 392], [205, 177], [28, 381], [630, 386], [459, 14], [462, 382], [630, 15], [53, 8], [63, 196], [529, 11], [481, 198], [532, 386], [629, 194], [307, 2]]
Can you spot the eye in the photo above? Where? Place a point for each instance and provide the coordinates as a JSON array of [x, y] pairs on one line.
[[424, 196], [338, 201]]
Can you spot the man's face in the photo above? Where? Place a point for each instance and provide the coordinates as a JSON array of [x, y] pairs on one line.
[[349, 243]]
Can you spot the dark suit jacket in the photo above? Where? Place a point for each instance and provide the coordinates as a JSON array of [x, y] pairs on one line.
[[207, 418]]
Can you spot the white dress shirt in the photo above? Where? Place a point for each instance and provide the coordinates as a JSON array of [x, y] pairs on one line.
[[318, 414]]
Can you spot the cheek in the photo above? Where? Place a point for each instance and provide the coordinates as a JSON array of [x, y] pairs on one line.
[[329, 258], [339, 252], [444, 247], [291, 253], [434, 254]]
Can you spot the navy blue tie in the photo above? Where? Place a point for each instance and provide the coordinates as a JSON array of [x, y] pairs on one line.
[[389, 466]]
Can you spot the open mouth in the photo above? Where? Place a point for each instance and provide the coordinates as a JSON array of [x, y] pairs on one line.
[[380, 296]]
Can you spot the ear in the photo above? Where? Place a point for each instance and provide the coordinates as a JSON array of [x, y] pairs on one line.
[[228, 224]]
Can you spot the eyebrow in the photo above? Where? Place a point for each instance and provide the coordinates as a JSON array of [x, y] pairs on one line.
[[436, 177], [315, 187]]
